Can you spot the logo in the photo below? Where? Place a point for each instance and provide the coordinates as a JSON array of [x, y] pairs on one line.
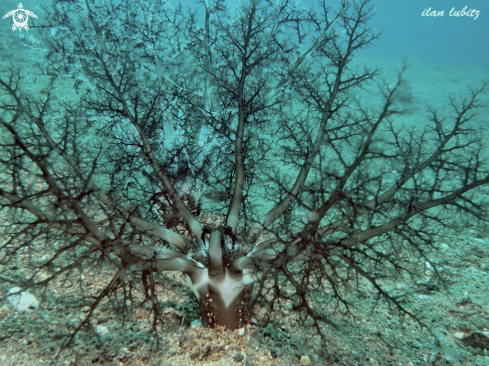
[[20, 17]]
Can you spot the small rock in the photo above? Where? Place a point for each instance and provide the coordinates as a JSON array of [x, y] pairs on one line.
[[241, 331], [195, 323], [238, 358], [22, 301], [101, 330], [305, 360], [459, 335], [416, 344], [276, 353], [102, 319]]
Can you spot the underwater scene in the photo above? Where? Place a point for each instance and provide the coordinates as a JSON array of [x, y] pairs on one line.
[[255, 182]]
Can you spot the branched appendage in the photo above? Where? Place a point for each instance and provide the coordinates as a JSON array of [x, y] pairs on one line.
[[317, 198]]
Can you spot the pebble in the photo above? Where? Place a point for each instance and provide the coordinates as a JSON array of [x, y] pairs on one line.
[[22, 301], [195, 323], [101, 330], [276, 353], [305, 360]]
